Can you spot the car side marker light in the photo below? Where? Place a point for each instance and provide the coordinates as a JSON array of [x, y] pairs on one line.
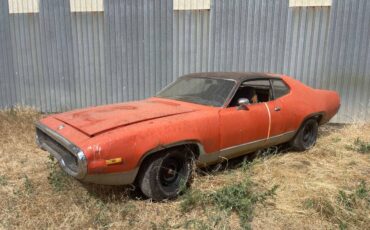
[[114, 161]]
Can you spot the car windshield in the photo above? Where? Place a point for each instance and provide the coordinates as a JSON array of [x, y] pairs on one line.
[[205, 91]]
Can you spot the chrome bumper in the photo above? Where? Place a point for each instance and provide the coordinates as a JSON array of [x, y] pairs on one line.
[[73, 160], [70, 157]]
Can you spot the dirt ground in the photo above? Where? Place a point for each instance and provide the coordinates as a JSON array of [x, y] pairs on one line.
[[327, 187]]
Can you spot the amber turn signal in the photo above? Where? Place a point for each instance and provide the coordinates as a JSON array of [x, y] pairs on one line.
[[114, 161]]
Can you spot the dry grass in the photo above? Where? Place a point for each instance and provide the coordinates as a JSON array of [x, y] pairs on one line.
[[34, 193]]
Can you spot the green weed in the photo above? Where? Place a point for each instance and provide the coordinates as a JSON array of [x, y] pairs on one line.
[[196, 224], [191, 199], [346, 200], [239, 198], [360, 146], [362, 191], [102, 220], [29, 187], [336, 139], [3, 180], [348, 208], [320, 205]]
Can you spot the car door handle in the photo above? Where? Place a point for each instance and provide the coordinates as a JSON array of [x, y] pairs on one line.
[[277, 109]]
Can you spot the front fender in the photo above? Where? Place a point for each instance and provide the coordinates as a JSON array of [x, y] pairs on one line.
[[135, 142]]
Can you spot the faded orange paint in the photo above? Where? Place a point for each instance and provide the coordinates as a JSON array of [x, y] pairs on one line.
[[130, 130]]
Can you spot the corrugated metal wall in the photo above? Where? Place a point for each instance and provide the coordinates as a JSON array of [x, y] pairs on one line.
[[325, 47], [56, 60]]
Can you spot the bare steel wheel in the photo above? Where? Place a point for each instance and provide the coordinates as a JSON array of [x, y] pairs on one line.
[[162, 175], [306, 136]]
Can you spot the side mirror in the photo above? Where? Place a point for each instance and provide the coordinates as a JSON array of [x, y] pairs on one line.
[[243, 103]]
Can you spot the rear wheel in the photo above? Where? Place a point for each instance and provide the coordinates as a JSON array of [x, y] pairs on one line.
[[163, 175], [306, 136]]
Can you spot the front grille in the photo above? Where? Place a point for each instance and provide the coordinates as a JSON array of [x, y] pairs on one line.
[[68, 157]]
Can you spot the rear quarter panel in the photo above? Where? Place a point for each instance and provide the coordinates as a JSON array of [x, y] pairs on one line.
[[304, 102]]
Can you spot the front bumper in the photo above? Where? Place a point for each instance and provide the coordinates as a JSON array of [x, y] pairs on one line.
[[72, 159], [120, 178]]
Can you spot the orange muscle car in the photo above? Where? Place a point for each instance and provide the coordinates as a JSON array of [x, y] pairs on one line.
[[200, 118]]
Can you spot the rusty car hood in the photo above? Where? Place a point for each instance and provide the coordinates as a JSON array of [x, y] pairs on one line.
[[96, 120]]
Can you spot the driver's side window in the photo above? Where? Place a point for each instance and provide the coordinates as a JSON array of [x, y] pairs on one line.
[[255, 91]]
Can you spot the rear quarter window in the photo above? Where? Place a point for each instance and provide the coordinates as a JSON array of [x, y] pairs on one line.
[[280, 88]]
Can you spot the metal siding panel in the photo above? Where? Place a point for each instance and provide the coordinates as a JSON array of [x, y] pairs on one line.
[[218, 37], [76, 66], [169, 41], [322, 23], [6, 66], [133, 31], [141, 54], [282, 32], [108, 49], [229, 22], [146, 49], [196, 42], [180, 42], [220, 28], [249, 43], [348, 76], [242, 27], [236, 34], [304, 45], [57, 60], [163, 47], [151, 40], [256, 36], [50, 62], [130, 51], [190, 37], [306, 34], [262, 29], [123, 84], [67, 47], [288, 43], [16, 63], [337, 65], [63, 54], [272, 36], [157, 50], [32, 63], [205, 42], [117, 42], [354, 61], [364, 63]]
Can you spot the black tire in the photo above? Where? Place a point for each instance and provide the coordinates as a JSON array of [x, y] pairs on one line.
[[164, 174], [306, 136]]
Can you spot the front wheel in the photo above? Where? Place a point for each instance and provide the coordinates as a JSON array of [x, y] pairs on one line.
[[306, 136], [163, 175]]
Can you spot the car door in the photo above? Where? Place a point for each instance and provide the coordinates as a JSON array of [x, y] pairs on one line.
[[280, 114], [245, 129]]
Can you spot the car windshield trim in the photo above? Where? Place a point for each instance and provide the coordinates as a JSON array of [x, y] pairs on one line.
[[181, 98]]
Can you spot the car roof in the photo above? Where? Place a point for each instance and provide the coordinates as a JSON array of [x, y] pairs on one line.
[[238, 76]]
